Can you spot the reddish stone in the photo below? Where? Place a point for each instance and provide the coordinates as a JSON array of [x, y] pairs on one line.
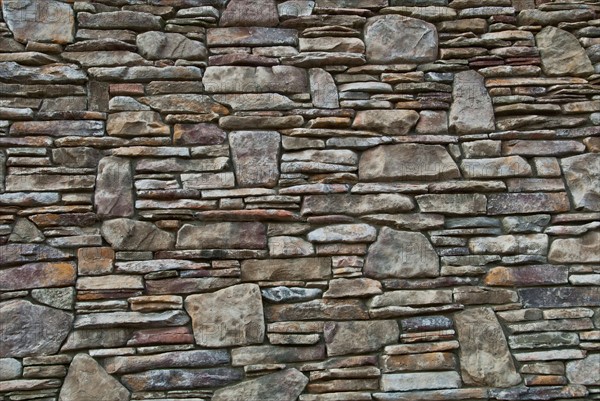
[[126, 89]]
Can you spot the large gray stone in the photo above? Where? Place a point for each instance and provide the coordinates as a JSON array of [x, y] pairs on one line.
[[46, 74], [281, 386], [355, 204], [87, 380], [356, 337], [471, 111], [585, 371], [283, 294], [10, 368], [255, 157], [132, 235], [323, 90], [388, 122], [398, 39], [250, 13], [582, 174], [484, 354], [159, 45], [32, 20], [135, 21], [114, 188], [562, 54], [407, 162], [60, 298], [584, 249], [401, 254], [25, 231], [31, 330], [243, 235], [281, 78], [228, 317]]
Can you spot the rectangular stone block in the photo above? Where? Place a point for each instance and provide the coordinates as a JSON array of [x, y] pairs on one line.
[[523, 203], [286, 269], [251, 36], [420, 381], [560, 297], [243, 235]]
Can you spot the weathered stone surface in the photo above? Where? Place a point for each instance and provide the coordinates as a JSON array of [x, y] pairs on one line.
[[324, 92], [283, 246], [182, 379], [527, 275], [132, 235], [326, 309], [81, 339], [283, 79], [114, 188], [389, 122], [28, 21], [524, 203], [86, 379], [131, 319], [269, 354], [286, 269], [357, 337], [36, 275], [22, 253], [584, 249], [344, 233], [407, 162], [283, 294], [46, 74], [255, 155], [10, 368], [355, 204], [251, 36], [136, 123], [60, 298], [399, 39], [25, 231], [58, 128], [452, 203], [159, 45], [175, 359], [401, 254], [228, 317], [354, 287], [419, 381], [582, 174], [484, 354], [184, 103], [429, 361], [562, 54], [222, 236], [250, 13], [511, 166], [282, 386], [198, 134], [30, 330], [584, 371], [472, 111], [411, 297], [135, 21]]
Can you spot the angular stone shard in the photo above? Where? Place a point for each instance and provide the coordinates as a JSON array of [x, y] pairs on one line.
[[255, 157], [250, 13], [471, 111], [582, 174], [407, 162], [280, 78], [398, 39], [87, 380], [484, 354], [228, 317], [584, 249], [281, 386], [114, 188], [401, 254], [243, 235], [132, 235], [357, 337], [159, 45], [388, 122], [562, 54], [30, 20], [31, 330], [323, 90]]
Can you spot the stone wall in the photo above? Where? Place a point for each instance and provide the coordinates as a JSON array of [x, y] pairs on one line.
[[260, 200]]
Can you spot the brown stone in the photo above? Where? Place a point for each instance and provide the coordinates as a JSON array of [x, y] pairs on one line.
[[356, 337], [37, 275], [114, 188], [245, 235], [286, 269], [198, 134]]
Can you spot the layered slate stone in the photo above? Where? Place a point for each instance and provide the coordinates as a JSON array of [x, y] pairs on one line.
[[22, 253], [281, 78], [286, 269], [562, 54], [398, 39], [323, 90], [250, 13], [175, 359], [401, 254], [136, 123], [37, 275], [181, 379], [87, 380], [388, 122], [484, 354], [30, 20], [407, 162], [228, 317], [159, 45], [355, 204], [31, 330], [133, 235], [582, 174], [357, 337], [45, 74], [244, 235], [135, 21], [560, 297], [198, 134], [255, 157], [114, 188], [584, 249], [281, 386], [282, 294], [471, 111]]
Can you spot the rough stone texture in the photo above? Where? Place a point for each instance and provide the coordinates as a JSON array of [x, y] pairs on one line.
[[114, 188], [471, 111], [562, 54], [389, 122], [222, 236], [401, 254], [323, 91], [159, 45], [254, 157], [584, 371], [29, 20], [250, 13], [31, 330], [283, 386], [582, 174], [358, 337], [484, 354], [584, 249], [398, 39], [228, 317], [133, 235]]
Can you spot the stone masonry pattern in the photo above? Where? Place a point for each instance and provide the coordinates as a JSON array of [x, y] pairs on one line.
[[295, 200]]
